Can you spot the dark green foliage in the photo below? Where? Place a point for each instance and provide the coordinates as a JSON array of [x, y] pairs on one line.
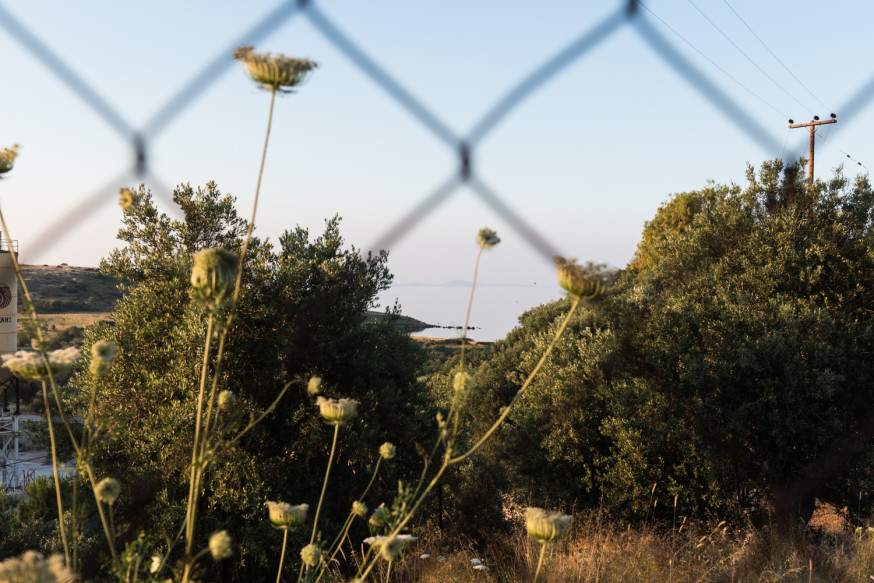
[[302, 312], [729, 366]]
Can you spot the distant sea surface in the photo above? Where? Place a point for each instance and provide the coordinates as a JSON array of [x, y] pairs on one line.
[[496, 307]]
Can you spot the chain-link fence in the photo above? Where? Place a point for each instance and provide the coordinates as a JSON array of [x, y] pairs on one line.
[[143, 139]]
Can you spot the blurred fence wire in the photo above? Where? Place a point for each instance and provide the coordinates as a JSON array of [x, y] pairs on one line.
[[627, 14]]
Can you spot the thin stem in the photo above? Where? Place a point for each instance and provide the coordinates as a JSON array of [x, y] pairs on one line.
[[519, 393], [106, 527], [325, 485], [55, 473], [470, 304], [196, 464], [282, 555], [539, 562], [255, 203], [388, 572]]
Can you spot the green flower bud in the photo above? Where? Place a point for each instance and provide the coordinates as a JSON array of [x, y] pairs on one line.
[[213, 277], [578, 283], [487, 238]]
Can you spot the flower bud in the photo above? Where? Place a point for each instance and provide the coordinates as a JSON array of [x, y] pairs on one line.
[[314, 386], [213, 277], [578, 283], [274, 71], [380, 516], [487, 238], [359, 509]]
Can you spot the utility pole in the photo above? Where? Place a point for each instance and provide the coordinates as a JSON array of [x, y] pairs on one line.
[[812, 125]]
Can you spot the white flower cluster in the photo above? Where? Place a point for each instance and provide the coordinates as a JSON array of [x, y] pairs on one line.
[[30, 364], [32, 567]]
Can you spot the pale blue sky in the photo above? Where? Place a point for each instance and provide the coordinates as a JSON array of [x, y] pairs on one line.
[[586, 159]]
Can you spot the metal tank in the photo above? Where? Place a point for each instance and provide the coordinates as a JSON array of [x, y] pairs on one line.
[[9, 402]]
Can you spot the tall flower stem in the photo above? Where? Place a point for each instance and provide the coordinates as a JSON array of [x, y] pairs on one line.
[[470, 303], [282, 555], [57, 478], [196, 457], [325, 484], [539, 562]]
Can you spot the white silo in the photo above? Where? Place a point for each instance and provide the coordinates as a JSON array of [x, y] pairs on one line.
[[9, 404]]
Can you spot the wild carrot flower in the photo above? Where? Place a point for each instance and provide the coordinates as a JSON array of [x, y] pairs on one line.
[[314, 386], [274, 72], [284, 515], [7, 158], [213, 277], [220, 545], [311, 555], [108, 490], [103, 352], [32, 567], [337, 411], [380, 516], [487, 237], [359, 509], [226, 400], [546, 526], [31, 365], [577, 283], [125, 198], [387, 450]]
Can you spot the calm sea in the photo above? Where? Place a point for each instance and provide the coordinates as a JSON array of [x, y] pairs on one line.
[[496, 307]]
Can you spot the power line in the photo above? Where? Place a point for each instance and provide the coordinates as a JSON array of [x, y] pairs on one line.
[[724, 72], [841, 151], [774, 55], [748, 58]]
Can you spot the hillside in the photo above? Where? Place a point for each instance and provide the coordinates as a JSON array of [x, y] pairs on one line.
[[70, 298]]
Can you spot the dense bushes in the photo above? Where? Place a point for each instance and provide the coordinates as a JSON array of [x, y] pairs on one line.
[[728, 367]]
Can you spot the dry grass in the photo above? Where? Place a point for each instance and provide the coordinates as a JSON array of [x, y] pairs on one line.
[[598, 550]]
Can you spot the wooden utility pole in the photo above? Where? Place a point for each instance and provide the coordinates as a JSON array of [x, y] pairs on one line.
[[812, 125]]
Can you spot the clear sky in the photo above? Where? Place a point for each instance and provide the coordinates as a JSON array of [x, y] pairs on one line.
[[585, 159]]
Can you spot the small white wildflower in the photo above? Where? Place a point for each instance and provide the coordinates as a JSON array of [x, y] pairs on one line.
[[480, 568], [387, 450], [314, 386], [226, 400], [359, 509], [285, 515], [220, 545], [337, 411], [475, 562], [311, 555], [30, 365], [545, 526], [32, 567], [107, 490], [380, 516], [441, 559], [156, 564], [425, 556]]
